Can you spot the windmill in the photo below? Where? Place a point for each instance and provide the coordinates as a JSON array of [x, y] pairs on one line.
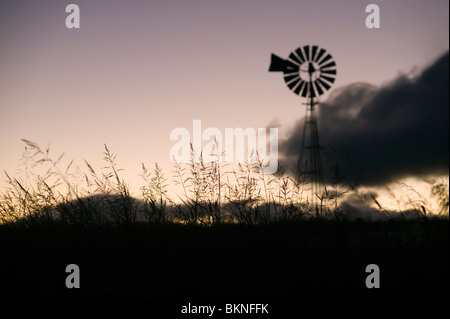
[[309, 71]]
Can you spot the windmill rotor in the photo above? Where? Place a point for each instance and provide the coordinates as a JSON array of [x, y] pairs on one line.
[[309, 71]]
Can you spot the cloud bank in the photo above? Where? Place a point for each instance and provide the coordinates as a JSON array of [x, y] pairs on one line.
[[382, 134]]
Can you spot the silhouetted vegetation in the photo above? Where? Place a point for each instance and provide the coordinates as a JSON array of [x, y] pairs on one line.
[[231, 234], [210, 195]]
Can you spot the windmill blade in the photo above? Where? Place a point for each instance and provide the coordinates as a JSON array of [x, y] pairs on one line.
[[318, 88], [299, 87], [300, 54], [314, 51], [305, 90], [331, 80], [292, 84], [325, 85], [277, 64], [290, 73], [291, 77], [328, 71], [306, 49], [325, 59], [321, 52], [292, 56], [329, 65]]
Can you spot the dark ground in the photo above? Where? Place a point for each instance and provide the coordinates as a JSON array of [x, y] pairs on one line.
[[310, 259]]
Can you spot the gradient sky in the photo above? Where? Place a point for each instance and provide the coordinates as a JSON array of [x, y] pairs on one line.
[[135, 70]]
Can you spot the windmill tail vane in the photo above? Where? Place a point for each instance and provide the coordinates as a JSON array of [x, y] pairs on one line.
[[309, 72]]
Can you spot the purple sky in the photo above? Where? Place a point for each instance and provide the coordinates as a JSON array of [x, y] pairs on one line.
[[135, 70]]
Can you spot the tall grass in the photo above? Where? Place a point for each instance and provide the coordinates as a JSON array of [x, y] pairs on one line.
[[212, 193]]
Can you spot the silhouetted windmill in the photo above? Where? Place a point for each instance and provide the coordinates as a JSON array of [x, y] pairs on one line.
[[309, 71]]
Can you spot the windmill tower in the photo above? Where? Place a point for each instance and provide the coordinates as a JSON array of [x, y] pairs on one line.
[[309, 71]]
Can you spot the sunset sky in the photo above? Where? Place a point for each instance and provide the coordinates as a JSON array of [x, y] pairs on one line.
[[136, 70]]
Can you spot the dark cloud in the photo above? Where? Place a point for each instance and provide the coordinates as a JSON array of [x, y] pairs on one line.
[[379, 135], [360, 206]]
